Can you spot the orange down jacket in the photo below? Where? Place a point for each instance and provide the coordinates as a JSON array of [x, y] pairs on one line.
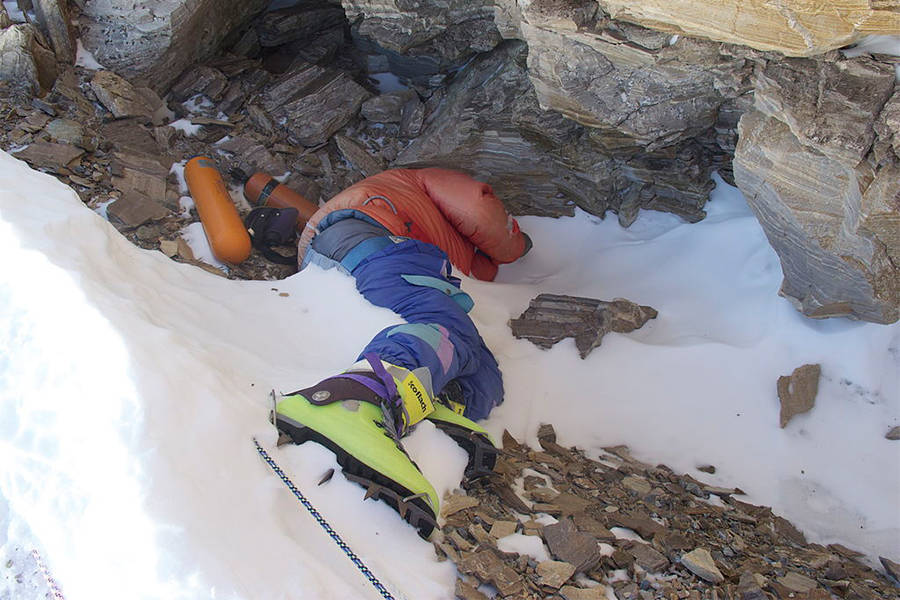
[[449, 209]]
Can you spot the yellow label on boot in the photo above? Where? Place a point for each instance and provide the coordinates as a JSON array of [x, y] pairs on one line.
[[456, 407], [415, 398]]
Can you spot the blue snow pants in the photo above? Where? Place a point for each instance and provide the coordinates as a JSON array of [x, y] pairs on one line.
[[413, 279]]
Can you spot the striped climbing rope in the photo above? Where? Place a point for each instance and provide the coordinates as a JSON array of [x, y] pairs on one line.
[[321, 520], [54, 589]]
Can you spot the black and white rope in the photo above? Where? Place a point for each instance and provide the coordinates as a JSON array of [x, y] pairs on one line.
[[321, 520], [54, 589]]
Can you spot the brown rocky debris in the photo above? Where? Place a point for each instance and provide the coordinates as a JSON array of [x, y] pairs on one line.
[[134, 210], [797, 392], [50, 156], [120, 97], [361, 158], [701, 563], [53, 17], [489, 568], [568, 544], [554, 573]]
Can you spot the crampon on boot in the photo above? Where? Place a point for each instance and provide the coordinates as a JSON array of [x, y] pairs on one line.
[[471, 437], [348, 416]]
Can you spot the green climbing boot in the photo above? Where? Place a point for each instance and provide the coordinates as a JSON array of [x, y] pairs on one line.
[[351, 420], [471, 437]]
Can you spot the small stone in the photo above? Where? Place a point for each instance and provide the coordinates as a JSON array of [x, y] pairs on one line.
[[147, 233], [488, 568], [797, 582], [358, 156], [543, 494], [707, 469], [118, 96], [647, 557], [554, 573], [893, 434], [749, 588], [638, 485], [467, 591], [570, 504], [480, 534], [546, 433], [568, 544], [168, 247], [570, 592], [460, 542], [700, 562], [797, 392], [134, 210], [48, 155], [457, 502], [184, 249], [593, 527], [502, 529]]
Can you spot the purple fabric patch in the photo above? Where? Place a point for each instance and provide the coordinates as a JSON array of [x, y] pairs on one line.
[[444, 350], [376, 386], [383, 375]]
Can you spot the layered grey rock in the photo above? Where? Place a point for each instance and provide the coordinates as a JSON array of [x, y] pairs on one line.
[[424, 37], [629, 82], [490, 123], [825, 184], [53, 17], [313, 103], [303, 22], [152, 42], [26, 63]]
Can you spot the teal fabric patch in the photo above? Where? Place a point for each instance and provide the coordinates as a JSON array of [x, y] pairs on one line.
[[426, 333], [460, 297]]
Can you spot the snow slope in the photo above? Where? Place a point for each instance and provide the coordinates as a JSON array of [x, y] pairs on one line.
[[131, 386]]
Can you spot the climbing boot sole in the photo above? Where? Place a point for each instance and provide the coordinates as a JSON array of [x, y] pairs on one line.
[[388, 477]]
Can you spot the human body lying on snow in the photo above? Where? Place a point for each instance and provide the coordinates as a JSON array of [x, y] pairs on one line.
[[397, 233]]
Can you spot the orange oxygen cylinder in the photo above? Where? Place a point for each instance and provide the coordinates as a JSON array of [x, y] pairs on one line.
[[264, 190], [228, 238]]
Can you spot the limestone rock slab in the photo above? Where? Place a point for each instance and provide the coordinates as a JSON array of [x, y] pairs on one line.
[[550, 318], [443, 33], [302, 22], [314, 117], [833, 225], [491, 125], [53, 16], [152, 42], [830, 106], [792, 27], [25, 63]]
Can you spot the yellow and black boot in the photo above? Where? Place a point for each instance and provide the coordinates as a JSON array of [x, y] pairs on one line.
[[361, 420], [471, 437]]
